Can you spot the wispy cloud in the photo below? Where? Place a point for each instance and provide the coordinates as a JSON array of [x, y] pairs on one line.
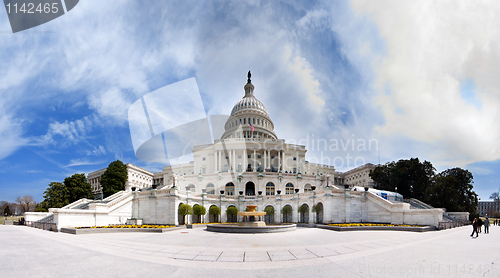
[[80, 162]]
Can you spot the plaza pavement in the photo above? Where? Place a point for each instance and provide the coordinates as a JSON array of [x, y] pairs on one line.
[[306, 252]]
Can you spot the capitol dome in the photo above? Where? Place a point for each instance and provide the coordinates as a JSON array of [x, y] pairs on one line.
[[249, 118], [249, 103]]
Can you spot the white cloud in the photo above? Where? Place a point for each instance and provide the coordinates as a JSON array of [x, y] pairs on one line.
[[97, 151], [433, 46], [11, 131], [69, 131], [80, 162]]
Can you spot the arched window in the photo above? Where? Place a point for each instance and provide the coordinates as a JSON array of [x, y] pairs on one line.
[[210, 188], [190, 187], [270, 189], [307, 188], [230, 188], [289, 188]]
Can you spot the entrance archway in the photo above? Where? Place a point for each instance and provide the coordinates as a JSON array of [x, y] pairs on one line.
[[232, 217], [250, 189], [269, 217], [319, 213], [181, 217], [287, 213], [212, 218], [304, 213]]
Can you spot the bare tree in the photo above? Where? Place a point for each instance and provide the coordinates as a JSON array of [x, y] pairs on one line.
[[26, 203]]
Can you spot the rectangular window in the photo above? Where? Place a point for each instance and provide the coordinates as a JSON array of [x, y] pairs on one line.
[[258, 156], [204, 170], [294, 170], [239, 156], [272, 157], [249, 156]]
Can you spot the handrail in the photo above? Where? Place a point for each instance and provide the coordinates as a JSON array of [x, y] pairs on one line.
[[118, 200]]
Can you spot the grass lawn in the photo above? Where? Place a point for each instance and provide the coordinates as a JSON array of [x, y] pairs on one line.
[[2, 219]]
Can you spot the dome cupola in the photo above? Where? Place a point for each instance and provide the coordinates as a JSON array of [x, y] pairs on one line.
[[251, 115]]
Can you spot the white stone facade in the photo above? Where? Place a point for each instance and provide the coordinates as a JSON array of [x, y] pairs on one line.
[[249, 165], [137, 178]]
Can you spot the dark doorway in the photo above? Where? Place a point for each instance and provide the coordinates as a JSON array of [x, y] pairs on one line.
[[250, 189]]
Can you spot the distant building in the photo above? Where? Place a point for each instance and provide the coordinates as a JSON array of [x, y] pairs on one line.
[[488, 208]]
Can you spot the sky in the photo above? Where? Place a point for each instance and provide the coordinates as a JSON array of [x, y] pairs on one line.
[[355, 81]]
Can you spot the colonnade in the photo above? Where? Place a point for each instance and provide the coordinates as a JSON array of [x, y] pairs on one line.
[[266, 160]]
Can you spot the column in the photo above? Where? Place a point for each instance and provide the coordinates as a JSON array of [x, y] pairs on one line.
[[284, 162], [254, 161], [279, 160], [297, 161], [215, 161], [220, 161], [269, 157], [234, 161], [265, 161], [244, 166]]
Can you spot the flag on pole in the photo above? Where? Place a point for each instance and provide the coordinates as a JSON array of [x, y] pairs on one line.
[[252, 128]]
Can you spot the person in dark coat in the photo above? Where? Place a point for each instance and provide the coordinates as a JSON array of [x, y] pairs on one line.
[[474, 227], [479, 224], [486, 226]]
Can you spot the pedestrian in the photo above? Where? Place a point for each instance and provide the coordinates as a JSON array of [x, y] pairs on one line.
[[474, 228], [479, 224], [486, 226]]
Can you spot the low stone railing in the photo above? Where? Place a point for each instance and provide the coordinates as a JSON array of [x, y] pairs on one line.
[[452, 224]]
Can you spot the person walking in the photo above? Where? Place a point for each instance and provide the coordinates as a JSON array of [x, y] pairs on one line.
[[474, 227], [479, 224], [486, 226]]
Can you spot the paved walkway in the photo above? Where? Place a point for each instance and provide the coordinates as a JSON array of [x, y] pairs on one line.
[[29, 252]]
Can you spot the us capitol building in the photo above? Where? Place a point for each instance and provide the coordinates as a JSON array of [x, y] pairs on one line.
[[248, 165]]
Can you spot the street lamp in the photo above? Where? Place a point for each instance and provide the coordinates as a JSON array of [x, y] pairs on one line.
[[396, 197]]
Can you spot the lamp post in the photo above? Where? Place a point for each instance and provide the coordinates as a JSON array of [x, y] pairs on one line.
[[396, 197], [220, 205]]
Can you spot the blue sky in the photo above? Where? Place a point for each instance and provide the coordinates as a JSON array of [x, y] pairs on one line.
[[420, 78]]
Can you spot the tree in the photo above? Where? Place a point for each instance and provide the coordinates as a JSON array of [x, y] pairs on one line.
[[232, 211], [26, 203], [215, 211], [40, 207], [77, 188], [411, 177], [303, 209], [55, 196], [185, 209], [286, 211], [269, 210], [452, 189], [199, 211], [495, 196], [6, 211], [3, 205], [114, 179]]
